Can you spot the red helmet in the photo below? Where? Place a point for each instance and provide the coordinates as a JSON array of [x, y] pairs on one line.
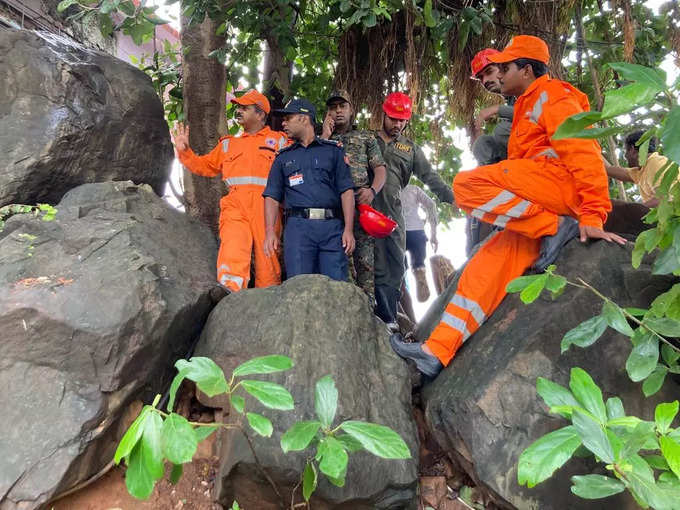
[[398, 106], [375, 223], [481, 60]]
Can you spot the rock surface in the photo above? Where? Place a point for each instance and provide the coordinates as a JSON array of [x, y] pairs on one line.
[[71, 116], [95, 306], [327, 328], [484, 409]]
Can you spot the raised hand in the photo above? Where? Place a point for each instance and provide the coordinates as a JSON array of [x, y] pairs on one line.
[[180, 137]]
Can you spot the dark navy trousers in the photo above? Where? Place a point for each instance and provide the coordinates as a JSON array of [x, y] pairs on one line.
[[314, 247]]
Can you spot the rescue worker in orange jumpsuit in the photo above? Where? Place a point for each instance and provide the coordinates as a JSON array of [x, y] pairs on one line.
[[244, 162], [546, 193]]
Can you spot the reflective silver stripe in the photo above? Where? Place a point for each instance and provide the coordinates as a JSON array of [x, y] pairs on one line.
[[223, 267], [471, 306], [235, 181], [500, 199], [477, 214], [456, 323], [538, 107], [548, 153], [225, 145], [231, 278], [282, 142], [501, 220], [517, 210]]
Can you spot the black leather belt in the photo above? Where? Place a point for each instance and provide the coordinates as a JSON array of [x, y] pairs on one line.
[[313, 213]]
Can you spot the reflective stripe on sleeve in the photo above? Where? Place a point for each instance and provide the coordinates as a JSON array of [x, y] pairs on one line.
[[235, 181], [225, 145], [537, 110], [471, 306]]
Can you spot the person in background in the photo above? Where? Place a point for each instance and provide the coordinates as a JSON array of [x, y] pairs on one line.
[[645, 176], [413, 199]]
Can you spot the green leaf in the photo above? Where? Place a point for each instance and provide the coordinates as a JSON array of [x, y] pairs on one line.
[[593, 435], [238, 403], [263, 365], [377, 439], [299, 435], [670, 134], [596, 486], [309, 480], [269, 394], [204, 432], [105, 25], [669, 354], [641, 479], [127, 7], [350, 444], [585, 334], [334, 459], [629, 422], [534, 289], [65, 4], [664, 415], [556, 284], [655, 380], [427, 14], [150, 450], [663, 326], [668, 261], [671, 452], [544, 456], [207, 375], [326, 400], [520, 283], [641, 434], [643, 357], [178, 439], [555, 395], [614, 408], [176, 473], [656, 462], [615, 318], [138, 480], [637, 73], [132, 435], [588, 394], [576, 124], [628, 98], [260, 424]]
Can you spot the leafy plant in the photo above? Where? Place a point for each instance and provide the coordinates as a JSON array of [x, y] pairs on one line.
[[156, 436], [335, 444], [45, 211], [640, 456]]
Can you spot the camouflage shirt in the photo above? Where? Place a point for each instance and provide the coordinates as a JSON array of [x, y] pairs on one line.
[[363, 155]]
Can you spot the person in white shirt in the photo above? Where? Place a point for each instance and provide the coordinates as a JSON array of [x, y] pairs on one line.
[[413, 199]]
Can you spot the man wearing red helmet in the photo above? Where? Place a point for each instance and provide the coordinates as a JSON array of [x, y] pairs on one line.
[[546, 193], [488, 149], [404, 158]]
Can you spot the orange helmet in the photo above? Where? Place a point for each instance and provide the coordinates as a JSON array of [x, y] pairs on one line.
[[481, 60], [375, 223], [398, 106]]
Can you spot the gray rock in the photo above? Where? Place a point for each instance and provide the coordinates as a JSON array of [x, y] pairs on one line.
[[327, 328], [483, 408], [95, 307], [72, 115]]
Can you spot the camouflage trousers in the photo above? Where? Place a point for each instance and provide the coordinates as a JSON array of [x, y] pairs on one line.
[[361, 262]]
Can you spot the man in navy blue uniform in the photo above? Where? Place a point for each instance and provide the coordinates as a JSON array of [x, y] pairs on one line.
[[312, 179]]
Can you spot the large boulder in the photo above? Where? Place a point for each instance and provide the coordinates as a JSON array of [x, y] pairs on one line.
[[95, 307], [72, 115], [327, 327], [483, 408]]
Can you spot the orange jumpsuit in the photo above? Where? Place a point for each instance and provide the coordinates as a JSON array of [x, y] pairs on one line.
[[244, 163], [541, 180]]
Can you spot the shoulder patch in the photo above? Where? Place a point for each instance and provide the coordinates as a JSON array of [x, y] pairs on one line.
[[270, 142], [337, 143], [402, 147]]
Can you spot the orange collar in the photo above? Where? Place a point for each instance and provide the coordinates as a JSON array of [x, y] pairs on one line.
[[535, 84]]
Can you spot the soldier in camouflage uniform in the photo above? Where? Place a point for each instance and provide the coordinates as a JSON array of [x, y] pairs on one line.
[[368, 173]]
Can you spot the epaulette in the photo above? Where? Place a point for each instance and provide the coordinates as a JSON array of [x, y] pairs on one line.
[[337, 143], [286, 148]]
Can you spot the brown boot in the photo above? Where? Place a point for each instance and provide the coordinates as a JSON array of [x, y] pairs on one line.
[[422, 290]]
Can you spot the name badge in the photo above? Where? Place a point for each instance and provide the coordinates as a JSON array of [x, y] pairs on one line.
[[295, 179]]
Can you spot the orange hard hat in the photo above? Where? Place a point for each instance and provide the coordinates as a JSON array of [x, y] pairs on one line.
[[375, 223], [523, 46], [481, 60], [398, 106]]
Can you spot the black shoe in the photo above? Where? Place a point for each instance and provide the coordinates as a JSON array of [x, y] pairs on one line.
[[426, 363], [217, 293], [552, 245]]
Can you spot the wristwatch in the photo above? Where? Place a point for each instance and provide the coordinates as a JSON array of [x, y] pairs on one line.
[[374, 191]]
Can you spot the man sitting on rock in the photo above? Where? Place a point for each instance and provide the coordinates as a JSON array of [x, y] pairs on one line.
[[546, 193]]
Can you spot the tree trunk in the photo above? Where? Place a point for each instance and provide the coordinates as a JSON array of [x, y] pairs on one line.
[[276, 79], [204, 110]]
